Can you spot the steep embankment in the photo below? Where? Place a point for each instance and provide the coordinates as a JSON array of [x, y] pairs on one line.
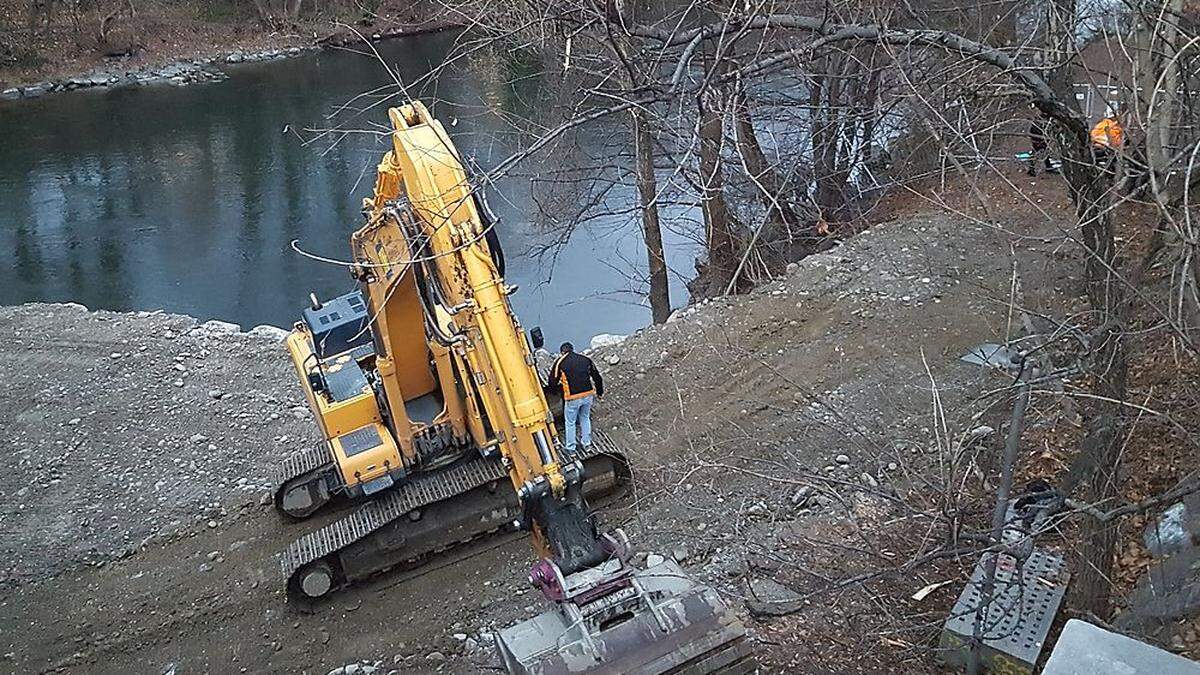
[[778, 434]]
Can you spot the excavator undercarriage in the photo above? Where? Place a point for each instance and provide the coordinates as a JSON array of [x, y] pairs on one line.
[[430, 514]]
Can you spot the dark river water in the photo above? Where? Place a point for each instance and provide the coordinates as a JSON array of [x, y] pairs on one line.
[[186, 198]]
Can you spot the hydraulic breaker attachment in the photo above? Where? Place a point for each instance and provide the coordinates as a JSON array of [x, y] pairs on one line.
[[615, 618]]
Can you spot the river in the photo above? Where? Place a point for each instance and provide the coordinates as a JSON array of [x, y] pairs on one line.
[[186, 199]]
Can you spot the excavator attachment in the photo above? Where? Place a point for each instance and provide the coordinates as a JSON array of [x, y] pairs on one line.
[[618, 619]]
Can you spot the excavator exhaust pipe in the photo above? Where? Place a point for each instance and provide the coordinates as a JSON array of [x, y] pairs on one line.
[[656, 620]]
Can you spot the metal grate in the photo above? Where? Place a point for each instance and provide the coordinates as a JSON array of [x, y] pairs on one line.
[[360, 440], [1016, 622]]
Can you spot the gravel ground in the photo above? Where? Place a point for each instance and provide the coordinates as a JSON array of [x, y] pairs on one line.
[[759, 427], [128, 427]]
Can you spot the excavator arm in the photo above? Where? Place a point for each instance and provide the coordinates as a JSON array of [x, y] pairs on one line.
[[422, 191]]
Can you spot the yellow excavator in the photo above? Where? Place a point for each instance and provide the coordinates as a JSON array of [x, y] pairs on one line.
[[426, 392]]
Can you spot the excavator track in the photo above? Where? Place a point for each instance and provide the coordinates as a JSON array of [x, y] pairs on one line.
[[425, 515], [304, 480]]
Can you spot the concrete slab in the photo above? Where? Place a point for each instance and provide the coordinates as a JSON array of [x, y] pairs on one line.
[[1085, 649]]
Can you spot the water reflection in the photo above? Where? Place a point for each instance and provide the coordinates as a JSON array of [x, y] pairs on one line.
[[186, 198]]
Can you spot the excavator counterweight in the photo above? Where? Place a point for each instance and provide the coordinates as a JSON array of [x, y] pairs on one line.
[[436, 424]]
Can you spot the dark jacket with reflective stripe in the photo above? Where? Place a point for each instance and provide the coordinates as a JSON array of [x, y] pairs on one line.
[[576, 374]]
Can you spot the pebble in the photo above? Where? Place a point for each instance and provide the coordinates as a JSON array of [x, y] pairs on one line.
[[459, 636], [842, 459], [216, 394], [613, 359], [869, 480], [437, 657], [212, 524]]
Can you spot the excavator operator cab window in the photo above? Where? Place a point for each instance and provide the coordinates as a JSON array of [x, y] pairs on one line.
[[536, 338]]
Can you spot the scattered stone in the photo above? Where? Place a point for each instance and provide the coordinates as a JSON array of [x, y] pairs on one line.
[[436, 657], [801, 495], [607, 340], [216, 394], [680, 554], [869, 480], [268, 332], [982, 431], [791, 268], [613, 359], [1173, 531], [654, 559], [842, 459], [769, 597], [461, 637], [212, 524], [74, 421]]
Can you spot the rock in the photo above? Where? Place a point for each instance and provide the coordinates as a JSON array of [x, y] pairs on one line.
[[10, 94], [842, 459], [801, 495], [1170, 533], [982, 431], [212, 524], [461, 637], [607, 340], [757, 509], [215, 328], [268, 332], [869, 480], [74, 421], [675, 316], [471, 645], [216, 394], [613, 359], [654, 559], [436, 657], [680, 554], [791, 268], [34, 90], [769, 597], [236, 57], [205, 567], [198, 438]]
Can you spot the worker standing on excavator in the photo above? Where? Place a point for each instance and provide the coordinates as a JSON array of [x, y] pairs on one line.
[[581, 385]]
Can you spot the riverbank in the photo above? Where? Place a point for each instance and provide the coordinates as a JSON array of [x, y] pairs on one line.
[[179, 49]]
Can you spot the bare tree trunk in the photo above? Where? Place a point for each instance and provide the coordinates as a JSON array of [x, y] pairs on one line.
[[647, 184], [1099, 457], [722, 254], [762, 174]]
